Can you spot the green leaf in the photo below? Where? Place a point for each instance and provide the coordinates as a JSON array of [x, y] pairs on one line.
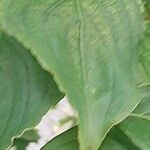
[[91, 48], [64, 141], [138, 130], [147, 9], [26, 90], [137, 126], [135, 129], [30, 135], [145, 56], [22, 142], [115, 140]]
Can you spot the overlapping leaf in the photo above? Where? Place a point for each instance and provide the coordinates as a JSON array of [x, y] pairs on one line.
[[65, 141], [132, 134], [26, 90], [137, 126], [91, 47], [68, 141], [22, 142]]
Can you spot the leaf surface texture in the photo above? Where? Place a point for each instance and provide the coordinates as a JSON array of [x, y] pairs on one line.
[[26, 92], [91, 48]]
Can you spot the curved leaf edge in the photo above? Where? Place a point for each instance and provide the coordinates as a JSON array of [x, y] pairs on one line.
[[44, 113], [113, 124], [137, 116], [26, 129], [19, 135], [31, 48], [46, 67], [75, 131]]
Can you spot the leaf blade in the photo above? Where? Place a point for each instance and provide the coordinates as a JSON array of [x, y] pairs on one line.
[[22, 142], [82, 41], [26, 92], [68, 140], [137, 126]]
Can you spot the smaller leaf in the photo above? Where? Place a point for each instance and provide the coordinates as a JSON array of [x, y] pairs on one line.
[[138, 130], [65, 141], [26, 91], [115, 140], [20, 144], [137, 126], [29, 136]]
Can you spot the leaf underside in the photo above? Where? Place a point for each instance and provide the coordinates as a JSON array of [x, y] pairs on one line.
[[26, 92], [91, 48]]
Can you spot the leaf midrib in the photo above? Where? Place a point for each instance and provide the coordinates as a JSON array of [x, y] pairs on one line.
[[81, 39], [82, 53]]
